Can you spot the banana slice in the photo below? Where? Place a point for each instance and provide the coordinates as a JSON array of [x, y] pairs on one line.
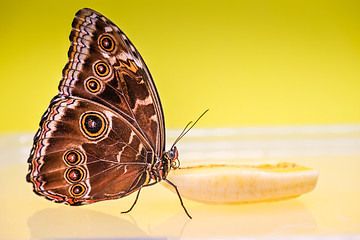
[[226, 184]]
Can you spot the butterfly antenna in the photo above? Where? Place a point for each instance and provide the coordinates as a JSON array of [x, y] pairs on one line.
[[181, 134], [186, 129]]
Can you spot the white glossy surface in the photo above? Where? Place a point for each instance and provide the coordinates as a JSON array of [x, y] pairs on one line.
[[331, 210]]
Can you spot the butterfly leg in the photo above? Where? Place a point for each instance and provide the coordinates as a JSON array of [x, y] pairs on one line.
[[181, 201], [137, 196]]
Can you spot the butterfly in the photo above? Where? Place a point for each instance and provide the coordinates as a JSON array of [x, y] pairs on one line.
[[103, 135]]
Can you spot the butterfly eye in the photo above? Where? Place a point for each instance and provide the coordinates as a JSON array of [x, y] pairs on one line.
[[171, 154], [74, 174], [93, 85], [107, 43], [93, 124], [77, 190], [101, 69], [73, 157]]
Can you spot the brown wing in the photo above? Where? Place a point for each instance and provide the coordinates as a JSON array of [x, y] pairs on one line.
[[86, 152], [105, 67]]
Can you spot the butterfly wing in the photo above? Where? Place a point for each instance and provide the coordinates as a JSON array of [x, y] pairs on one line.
[[85, 152], [102, 132], [104, 66]]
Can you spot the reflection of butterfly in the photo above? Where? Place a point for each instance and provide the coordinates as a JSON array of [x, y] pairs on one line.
[[103, 135]]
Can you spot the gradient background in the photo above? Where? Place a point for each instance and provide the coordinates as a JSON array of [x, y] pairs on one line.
[[252, 63]]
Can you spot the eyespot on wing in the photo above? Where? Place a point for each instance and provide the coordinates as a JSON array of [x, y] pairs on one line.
[[234, 184]]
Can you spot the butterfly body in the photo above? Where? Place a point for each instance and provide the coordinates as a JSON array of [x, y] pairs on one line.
[[102, 137]]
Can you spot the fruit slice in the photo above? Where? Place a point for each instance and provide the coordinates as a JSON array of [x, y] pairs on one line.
[[227, 184]]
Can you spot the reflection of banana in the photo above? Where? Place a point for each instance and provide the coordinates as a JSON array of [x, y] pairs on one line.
[[243, 183]]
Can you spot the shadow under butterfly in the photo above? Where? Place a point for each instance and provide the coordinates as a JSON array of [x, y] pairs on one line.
[[103, 136], [89, 225]]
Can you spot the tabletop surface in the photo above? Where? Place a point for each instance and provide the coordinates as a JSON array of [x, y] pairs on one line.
[[331, 209]]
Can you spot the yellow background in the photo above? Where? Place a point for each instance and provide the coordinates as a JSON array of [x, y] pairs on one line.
[[252, 63]]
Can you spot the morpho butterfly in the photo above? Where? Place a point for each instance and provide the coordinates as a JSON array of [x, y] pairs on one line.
[[103, 136]]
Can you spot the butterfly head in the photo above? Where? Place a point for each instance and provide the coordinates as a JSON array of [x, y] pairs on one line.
[[168, 161], [162, 166], [172, 157]]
